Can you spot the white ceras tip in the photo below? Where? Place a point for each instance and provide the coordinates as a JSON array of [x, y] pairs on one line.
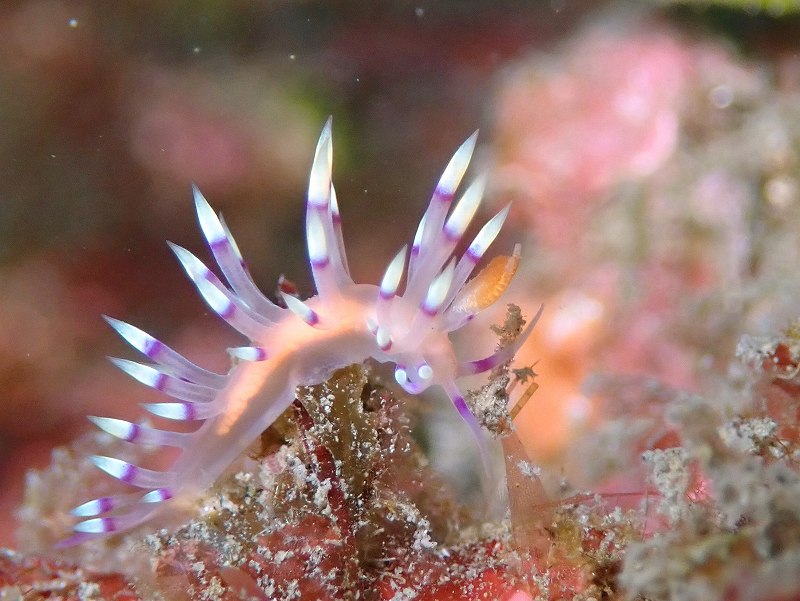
[[157, 496], [149, 376], [209, 222], [173, 411], [487, 234], [319, 182], [464, 211], [193, 266], [383, 339], [456, 168], [315, 238], [113, 467], [248, 353], [334, 204], [299, 308], [198, 273], [93, 507], [416, 244], [231, 241], [138, 339], [394, 273], [95, 526], [119, 428], [438, 290], [216, 299]]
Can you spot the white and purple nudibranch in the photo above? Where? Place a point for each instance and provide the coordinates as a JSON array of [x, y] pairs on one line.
[[305, 342]]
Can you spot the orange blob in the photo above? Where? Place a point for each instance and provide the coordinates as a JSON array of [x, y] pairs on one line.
[[562, 345], [488, 286]]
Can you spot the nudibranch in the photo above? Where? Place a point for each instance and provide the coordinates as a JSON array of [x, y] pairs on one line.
[[305, 341]]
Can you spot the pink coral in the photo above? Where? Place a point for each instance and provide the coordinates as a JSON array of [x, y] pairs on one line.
[[569, 130]]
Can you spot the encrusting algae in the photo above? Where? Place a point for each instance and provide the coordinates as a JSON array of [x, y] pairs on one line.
[[337, 501]]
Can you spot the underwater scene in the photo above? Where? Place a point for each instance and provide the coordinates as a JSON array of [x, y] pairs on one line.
[[400, 301]]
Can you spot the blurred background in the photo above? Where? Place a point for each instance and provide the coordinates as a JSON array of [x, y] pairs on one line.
[[651, 149]]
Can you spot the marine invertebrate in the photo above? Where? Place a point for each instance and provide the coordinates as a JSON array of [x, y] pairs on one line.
[[305, 342]]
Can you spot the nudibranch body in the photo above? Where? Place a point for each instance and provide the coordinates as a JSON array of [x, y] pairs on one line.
[[306, 341]]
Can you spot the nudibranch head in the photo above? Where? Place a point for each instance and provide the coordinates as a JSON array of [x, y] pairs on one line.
[[412, 328], [302, 342]]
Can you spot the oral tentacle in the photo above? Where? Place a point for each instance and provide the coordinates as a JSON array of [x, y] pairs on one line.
[[452, 391], [506, 353]]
